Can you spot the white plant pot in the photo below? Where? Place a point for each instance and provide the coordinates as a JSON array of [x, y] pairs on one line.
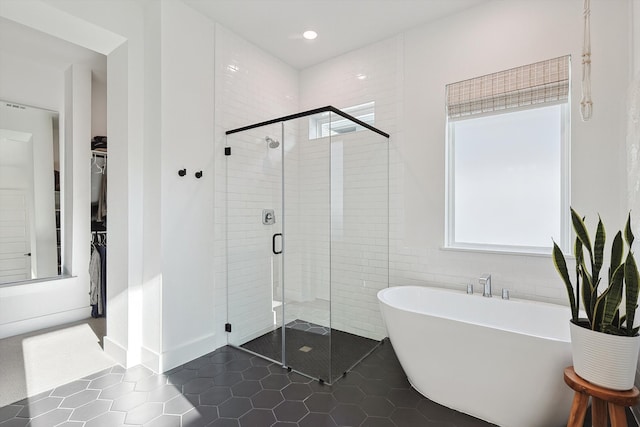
[[606, 360]]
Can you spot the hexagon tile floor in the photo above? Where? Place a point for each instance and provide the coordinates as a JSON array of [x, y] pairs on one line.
[[229, 387]]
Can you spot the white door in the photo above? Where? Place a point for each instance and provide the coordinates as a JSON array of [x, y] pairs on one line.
[[15, 242]]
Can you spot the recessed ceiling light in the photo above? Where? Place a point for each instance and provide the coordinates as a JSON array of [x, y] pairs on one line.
[[309, 34], [361, 76]]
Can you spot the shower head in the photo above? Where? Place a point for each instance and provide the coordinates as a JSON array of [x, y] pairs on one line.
[[273, 143]]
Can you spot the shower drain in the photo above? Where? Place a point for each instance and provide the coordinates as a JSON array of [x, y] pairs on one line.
[[305, 349]]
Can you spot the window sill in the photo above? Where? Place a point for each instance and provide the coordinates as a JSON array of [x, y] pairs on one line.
[[533, 252]]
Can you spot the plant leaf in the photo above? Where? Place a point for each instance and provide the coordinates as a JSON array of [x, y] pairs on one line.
[[588, 291], [561, 267], [581, 232], [598, 311], [616, 253], [628, 234], [598, 249], [631, 289], [612, 330], [616, 319], [579, 254], [612, 297]]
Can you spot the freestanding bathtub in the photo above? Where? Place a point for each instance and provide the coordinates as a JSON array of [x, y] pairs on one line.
[[501, 361]]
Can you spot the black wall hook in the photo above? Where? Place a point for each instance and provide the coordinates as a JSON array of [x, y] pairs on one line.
[[182, 172], [199, 174]]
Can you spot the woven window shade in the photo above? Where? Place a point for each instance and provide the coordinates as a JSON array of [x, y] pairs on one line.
[[538, 83]]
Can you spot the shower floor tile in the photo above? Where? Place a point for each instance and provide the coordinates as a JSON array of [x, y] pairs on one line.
[[305, 326], [375, 393], [313, 350], [317, 311]]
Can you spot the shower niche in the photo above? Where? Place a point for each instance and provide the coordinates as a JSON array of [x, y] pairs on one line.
[[307, 226]]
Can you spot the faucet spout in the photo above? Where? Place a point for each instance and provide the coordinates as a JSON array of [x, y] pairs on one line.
[[485, 282]]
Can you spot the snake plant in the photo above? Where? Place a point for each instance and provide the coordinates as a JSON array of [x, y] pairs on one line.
[[602, 308]]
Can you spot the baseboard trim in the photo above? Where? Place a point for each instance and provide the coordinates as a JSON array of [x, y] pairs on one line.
[[43, 322], [189, 351], [151, 359], [115, 351]]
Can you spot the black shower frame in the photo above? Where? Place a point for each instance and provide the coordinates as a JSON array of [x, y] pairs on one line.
[[328, 108]]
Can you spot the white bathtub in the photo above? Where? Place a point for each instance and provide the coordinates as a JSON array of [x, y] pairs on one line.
[[501, 361]]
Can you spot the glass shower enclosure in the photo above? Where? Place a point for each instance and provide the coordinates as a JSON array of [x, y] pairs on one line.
[[307, 224]]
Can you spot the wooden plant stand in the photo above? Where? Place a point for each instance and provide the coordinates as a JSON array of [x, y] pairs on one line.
[[603, 400]]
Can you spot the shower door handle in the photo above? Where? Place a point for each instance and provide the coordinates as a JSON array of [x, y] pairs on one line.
[[273, 244]]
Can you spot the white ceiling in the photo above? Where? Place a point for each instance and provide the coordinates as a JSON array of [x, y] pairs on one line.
[[274, 25], [342, 25]]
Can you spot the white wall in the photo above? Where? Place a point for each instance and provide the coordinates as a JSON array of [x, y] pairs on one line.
[[489, 38], [633, 118], [98, 105], [76, 215], [633, 136], [186, 211], [152, 226], [31, 83]]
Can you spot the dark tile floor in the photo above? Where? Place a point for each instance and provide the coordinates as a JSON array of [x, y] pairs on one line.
[[230, 387]]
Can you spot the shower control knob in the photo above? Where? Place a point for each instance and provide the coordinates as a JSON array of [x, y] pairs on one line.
[[182, 172], [199, 174]]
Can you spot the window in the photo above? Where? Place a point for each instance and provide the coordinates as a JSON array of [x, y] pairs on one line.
[[508, 160], [326, 124]]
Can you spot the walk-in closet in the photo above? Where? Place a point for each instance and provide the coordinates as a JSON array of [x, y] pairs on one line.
[[98, 260]]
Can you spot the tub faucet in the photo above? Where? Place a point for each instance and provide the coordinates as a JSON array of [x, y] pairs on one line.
[[485, 282]]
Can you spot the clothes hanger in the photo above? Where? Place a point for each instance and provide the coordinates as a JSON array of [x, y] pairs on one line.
[[95, 162]]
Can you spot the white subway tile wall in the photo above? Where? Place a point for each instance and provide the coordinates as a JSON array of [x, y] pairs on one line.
[[360, 247], [362, 239], [251, 86], [344, 227]]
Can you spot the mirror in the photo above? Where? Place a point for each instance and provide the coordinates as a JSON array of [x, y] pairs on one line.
[[30, 215]]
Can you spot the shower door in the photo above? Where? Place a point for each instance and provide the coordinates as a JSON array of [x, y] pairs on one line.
[[278, 283], [254, 215]]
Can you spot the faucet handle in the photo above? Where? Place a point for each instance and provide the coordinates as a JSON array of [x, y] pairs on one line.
[[470, 288], [505, 293], [485, 282]]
